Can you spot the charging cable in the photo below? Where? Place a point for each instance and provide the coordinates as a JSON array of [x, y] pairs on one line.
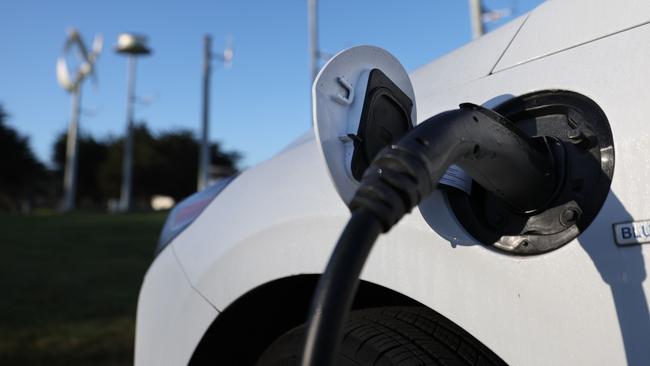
[[496, 154]]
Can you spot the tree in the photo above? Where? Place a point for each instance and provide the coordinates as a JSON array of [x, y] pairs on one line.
[[92, 153], [163, 164], [21, 174], [176, 167]]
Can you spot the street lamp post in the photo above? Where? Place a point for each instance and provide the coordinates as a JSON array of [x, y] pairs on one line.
[[133, 46]]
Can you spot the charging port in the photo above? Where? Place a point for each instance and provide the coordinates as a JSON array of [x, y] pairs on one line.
[[578, 133]]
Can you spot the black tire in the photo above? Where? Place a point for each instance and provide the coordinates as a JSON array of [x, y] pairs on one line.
[[391, 336]]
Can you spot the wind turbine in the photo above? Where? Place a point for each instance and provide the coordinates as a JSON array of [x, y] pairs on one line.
[[84, 68]]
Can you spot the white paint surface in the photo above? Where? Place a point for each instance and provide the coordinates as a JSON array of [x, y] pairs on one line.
[[557, 25], [171, 317]]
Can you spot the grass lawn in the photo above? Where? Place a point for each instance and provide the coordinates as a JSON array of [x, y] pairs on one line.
[[69, 285]]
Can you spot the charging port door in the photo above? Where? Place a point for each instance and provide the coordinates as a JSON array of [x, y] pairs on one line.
[[362, 101]]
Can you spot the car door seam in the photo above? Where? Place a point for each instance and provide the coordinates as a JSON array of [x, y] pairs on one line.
[[521, 26], [571, 47]]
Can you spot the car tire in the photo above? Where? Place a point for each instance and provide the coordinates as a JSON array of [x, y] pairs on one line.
[[391, 336]]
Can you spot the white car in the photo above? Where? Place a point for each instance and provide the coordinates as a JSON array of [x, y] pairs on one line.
[[462, 279]]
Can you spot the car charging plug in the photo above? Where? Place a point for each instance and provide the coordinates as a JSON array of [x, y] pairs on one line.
[[518, 169]]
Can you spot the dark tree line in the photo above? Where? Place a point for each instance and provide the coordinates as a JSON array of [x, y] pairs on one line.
[[164, 164], [21, 174]]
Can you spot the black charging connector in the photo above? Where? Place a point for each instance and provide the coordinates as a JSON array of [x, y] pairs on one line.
[[518, 169], [514, 167]]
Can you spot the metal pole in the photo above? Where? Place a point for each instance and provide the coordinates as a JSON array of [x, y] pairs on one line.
[[204, 162], [476, 17], [127, 164], [312, 14], [70, 174]]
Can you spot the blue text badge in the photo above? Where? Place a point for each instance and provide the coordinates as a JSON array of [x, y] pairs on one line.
[[629, 233]]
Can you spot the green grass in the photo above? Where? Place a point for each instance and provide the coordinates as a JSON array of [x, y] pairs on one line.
[[69, 285]]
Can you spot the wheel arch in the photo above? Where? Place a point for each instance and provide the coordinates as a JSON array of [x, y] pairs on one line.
[[242, 331]]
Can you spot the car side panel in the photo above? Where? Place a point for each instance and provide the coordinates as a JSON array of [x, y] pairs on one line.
[[172, 316], [559, 25], [585, 303]]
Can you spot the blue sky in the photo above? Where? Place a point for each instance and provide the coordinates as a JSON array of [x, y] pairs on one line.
[[258, 105]]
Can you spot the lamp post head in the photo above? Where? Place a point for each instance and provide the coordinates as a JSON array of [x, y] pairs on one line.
[[132, 44]]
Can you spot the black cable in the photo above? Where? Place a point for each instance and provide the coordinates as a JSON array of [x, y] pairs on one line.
[[339, 281], [491, 149]]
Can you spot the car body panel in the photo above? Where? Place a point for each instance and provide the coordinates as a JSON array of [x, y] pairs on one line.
[[585, 303], [171, 315], [591, 295], [555, 26], [476, 59]]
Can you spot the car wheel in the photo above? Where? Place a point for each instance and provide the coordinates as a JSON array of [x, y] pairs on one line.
[[391, 336]]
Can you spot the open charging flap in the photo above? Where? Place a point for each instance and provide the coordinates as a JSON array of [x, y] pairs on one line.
[[362, 101]]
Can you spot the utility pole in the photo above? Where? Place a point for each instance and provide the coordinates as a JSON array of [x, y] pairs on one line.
[[314, 53], [479, 16], [476, 18], [131, 45], [202, 180], [204, 149]]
